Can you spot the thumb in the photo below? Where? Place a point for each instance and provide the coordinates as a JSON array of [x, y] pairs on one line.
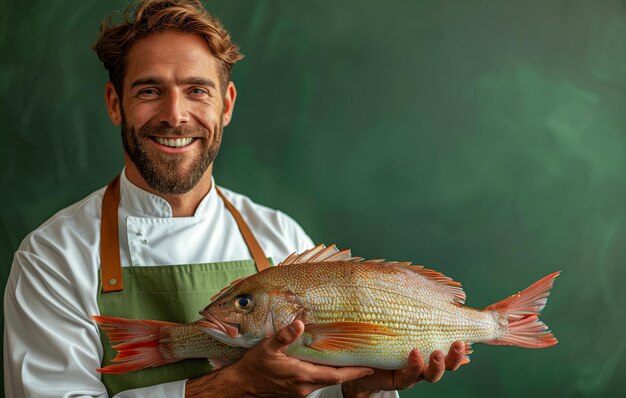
[[286, 336]]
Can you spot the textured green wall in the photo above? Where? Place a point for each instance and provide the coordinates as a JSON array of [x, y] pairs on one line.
[[485, 139]]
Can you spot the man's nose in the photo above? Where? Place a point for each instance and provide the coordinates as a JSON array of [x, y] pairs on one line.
[[174, 110]]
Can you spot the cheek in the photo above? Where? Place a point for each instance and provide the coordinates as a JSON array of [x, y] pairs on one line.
[[138, 115], [255, 324], [232, 317], [209, 117], [229, 315]]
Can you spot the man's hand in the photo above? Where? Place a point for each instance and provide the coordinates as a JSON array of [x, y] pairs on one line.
[[415, 372], [265, 371]]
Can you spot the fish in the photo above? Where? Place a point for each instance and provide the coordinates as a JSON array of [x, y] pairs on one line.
[[370, 313], [150, 343], [356, 312]]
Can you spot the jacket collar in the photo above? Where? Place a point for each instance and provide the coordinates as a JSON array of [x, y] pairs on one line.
[[140, 203]]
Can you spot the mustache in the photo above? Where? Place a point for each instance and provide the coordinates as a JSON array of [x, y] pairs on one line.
[[169, 131]]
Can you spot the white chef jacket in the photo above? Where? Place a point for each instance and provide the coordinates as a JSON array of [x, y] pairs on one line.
[[51, 346]]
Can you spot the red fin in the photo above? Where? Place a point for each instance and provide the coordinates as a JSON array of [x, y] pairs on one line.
[[307, 255], [139, 343], [320, 253], [344, 255], [323, 254], [339, 336], [522, 311]]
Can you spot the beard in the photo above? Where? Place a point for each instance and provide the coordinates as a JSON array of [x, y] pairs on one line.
[[162, 171]]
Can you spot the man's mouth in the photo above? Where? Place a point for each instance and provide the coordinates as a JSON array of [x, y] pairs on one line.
[[174, 142]]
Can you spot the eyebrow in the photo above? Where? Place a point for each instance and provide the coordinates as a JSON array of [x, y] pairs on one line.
[[150, 80]]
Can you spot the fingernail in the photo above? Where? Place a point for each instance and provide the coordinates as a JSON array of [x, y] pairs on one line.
[[458, 349], [438, 357], [291, 328]]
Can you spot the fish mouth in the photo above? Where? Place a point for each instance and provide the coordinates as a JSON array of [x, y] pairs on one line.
[[231, 330], [227, 333]]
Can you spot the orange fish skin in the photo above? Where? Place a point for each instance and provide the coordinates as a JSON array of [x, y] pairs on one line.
[[408, 306]]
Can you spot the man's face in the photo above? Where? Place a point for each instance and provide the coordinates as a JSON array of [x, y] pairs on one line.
[[172, 111]]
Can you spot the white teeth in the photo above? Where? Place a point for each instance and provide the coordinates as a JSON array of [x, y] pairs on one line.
[[174, 143]]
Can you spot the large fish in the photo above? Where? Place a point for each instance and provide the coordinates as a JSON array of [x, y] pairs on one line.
[[356, 313], [369, 313]]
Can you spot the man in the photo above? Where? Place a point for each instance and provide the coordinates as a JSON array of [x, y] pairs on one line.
[[157, 241]]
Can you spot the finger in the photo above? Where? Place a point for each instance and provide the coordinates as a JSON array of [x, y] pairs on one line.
[[455, 356], [327, 375], [285, 336], [410, 375], [436, 367]]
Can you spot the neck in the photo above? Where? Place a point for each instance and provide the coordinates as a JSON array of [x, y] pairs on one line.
[[183, 205]]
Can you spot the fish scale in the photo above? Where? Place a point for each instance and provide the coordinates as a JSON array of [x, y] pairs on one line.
[[424, 326], [372, 313], [355, 312]]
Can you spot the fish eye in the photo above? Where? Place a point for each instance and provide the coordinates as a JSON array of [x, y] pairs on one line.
[[244, 302]]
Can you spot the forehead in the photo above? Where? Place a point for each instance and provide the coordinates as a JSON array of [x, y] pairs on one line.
[[171, 55]]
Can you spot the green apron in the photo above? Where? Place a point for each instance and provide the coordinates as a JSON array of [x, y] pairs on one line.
[[166, 293]]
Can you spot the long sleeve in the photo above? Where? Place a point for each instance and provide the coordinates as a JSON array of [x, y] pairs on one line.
[[51, 347]]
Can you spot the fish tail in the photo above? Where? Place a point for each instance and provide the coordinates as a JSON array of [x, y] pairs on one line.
[[139, 343], [521, 311]]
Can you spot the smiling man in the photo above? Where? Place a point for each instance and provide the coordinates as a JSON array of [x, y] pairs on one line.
[[172, 116], [162, 237]]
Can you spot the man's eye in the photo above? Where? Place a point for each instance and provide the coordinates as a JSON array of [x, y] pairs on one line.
[[148, 92], [198, 91]]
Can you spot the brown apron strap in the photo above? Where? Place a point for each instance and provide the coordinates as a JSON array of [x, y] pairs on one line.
[[253, 245], [110, 263]]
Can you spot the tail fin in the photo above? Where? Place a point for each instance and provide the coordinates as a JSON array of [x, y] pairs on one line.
[[139, 343], [522, 311]]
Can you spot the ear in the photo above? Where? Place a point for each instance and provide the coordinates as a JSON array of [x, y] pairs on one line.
[[113, 104], [229, 103]]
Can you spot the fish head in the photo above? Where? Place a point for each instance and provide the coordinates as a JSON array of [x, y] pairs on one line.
[[247, 312]]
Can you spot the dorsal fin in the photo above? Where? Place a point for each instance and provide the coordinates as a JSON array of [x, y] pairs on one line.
[[321, 253], [382, 261], [303, 257]]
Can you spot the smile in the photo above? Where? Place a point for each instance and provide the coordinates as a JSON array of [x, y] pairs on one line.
[[174, 143]]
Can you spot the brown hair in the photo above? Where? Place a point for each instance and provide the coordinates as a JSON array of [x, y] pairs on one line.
[[146, 17]]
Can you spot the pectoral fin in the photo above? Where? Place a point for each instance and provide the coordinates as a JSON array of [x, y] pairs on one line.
[[345, 336]]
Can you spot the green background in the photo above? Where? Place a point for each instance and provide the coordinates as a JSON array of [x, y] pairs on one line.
[[485, 139]]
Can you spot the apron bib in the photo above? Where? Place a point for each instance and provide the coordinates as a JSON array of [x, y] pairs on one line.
[[166, 293]]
